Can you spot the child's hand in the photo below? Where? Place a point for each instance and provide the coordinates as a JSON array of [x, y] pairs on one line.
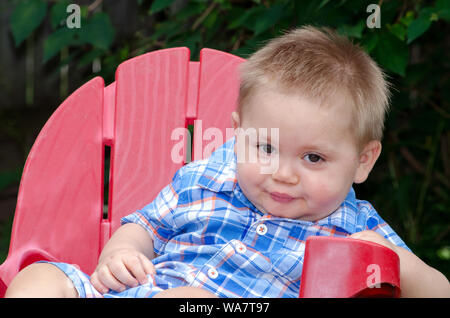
[[125, 267], [417, 278], [374, 237]]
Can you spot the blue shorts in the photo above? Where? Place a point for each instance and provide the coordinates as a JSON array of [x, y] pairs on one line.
[[82, 284]]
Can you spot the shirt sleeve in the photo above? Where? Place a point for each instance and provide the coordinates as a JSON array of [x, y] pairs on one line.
[[374, 222], [157, 217]]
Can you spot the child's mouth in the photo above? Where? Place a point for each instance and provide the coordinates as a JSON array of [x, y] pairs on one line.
[[281, 197]]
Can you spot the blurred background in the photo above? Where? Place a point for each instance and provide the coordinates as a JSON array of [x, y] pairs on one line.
[[44, 57]]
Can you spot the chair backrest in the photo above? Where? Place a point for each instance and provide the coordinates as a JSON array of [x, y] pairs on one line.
[[142, 117]]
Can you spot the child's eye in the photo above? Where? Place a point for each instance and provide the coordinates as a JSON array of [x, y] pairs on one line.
[[267, 148], [313, 158]]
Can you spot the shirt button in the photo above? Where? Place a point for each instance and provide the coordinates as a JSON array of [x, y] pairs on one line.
[[212, 273], [240, 248], [261, 229]]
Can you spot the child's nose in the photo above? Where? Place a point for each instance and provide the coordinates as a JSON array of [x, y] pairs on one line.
[[286, 174]]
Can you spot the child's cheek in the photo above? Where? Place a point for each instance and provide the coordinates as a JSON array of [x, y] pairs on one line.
[[247, 173], [322, 194]]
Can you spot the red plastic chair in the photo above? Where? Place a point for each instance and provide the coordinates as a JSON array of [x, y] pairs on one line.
[[59, 212], [344, 268]]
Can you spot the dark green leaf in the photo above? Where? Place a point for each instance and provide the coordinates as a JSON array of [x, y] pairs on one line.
[[167, 29], [211, 19], [98, 31], [443, 9], [445, 15], [58, 40], [250, 46], [268, 19], [353, 31], [442, 5], [407, 19], [26, 17], [322, 4], [370, 41], [159, 5], [58, 13], [89, 57], [419, 26], [240, 19], [306, 11], [191, 9], [392, 53], [398, 30], [389, 10]]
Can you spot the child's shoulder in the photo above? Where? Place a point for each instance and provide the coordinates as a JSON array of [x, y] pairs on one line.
[[190, 173], [369, 219], [362, 208], [210, 172], [365, 207], [367, 215]]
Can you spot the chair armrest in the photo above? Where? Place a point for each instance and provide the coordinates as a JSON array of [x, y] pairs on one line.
[[343, 267]]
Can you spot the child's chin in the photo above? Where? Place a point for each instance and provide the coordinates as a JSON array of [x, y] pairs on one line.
[[285, 214]]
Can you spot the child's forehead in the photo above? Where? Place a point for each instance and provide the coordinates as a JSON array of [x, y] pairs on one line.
[[299, 115], [274, 94], [324, 96]]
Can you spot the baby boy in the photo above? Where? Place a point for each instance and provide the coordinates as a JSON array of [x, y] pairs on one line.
[[311, 102]]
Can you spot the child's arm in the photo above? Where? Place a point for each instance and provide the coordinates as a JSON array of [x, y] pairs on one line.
[[417, 279], [125, 259]]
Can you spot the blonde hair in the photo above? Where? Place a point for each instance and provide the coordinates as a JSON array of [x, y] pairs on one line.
[[318, 63]]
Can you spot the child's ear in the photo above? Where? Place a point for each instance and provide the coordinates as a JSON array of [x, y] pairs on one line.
[[235, 120], [367, 158]]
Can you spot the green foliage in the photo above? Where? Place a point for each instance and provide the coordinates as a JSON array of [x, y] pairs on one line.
[[27, 16], [8, 178], [5, 230], [96, 29], [235, 26], [410, 184], [159, 5]]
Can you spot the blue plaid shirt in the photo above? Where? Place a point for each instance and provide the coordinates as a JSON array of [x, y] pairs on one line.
[[207, 234]]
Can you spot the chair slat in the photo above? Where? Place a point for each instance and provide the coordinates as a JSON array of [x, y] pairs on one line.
[[59, 205], [218, 93], [150, 103]]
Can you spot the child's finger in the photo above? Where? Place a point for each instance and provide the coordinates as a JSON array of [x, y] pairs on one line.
[[123, 273], [136, 268], [149, 268], [107, 279], [102, 289], [374, 237]]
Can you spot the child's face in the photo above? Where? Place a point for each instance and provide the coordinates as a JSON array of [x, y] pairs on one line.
[[318, 160]]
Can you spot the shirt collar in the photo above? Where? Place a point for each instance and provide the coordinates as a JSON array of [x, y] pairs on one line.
[[220, 171], [345, 215], [220, 176]]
